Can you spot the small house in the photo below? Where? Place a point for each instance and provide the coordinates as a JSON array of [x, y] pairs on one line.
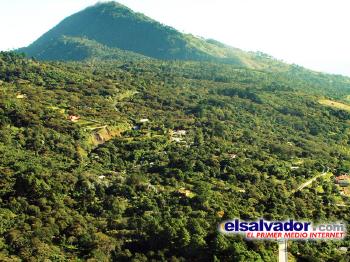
[[232, 156], [344, 183], [74, 118], [21, 96], [176, 139], [220, 213], [144, 120], [179, 132], [343, 180], [177, 135]]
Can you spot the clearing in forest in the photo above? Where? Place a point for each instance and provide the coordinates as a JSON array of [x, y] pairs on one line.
[[334, 104]]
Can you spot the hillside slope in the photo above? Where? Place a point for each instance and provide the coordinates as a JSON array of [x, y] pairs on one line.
[[67, 48], [140, 161], [116, 26]]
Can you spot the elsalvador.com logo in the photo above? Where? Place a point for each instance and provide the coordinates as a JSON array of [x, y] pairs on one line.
[[291, 229]]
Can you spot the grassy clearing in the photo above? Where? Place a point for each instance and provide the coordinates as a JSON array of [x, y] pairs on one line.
[[338, 200], [319, 189], [346, 191], [126, 94], [87, 123], [334, 104], [106, 133], [328, 178], [298, 162], [61, 110]]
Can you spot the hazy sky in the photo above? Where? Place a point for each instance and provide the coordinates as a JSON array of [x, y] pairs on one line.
[[311, 33]]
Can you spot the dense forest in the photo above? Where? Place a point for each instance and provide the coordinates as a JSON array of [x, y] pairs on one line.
[[140, 160]]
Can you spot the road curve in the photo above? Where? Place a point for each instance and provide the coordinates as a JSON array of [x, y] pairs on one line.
[[307, 183]]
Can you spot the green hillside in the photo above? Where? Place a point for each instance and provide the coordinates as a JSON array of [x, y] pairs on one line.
[[67, 48], [122, 139], [122, 183], [111, 25]]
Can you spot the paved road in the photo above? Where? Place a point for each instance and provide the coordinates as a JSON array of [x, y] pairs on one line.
[[282, 250], [282, 243], [307, 183]]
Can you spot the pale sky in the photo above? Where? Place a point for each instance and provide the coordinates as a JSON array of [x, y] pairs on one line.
[[311, 33]]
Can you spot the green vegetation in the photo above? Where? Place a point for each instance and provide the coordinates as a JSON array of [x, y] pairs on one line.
[[138, 194], [108, 154], [105, 30], [67, 48]]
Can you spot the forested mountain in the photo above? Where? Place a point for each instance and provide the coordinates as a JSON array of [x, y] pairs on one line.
[[110, 31], [77, 49], [140, 160], [122, 139], [113, 26]]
